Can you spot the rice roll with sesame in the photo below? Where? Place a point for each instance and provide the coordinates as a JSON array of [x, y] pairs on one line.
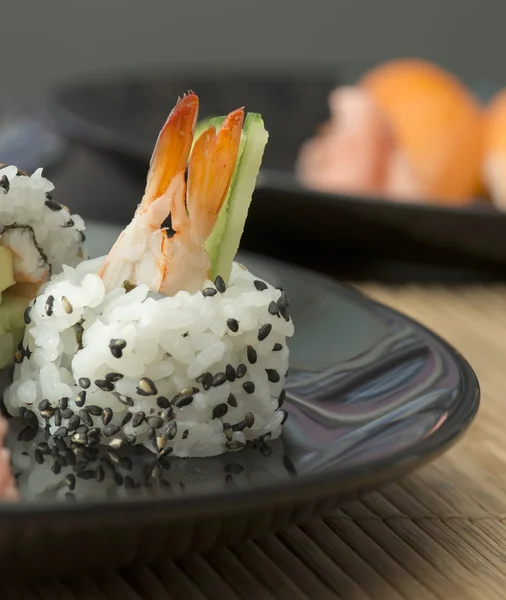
[[166, 342], [37, 235]]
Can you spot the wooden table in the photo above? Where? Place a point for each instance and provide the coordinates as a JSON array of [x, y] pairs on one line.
[[439, 533]]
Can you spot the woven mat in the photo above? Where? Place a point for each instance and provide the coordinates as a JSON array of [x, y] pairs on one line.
[[439, 533]]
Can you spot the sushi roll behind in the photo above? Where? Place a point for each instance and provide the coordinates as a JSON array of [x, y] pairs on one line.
[[166, 342], [37, 235]]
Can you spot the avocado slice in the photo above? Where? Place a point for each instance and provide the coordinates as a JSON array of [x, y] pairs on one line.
[[223, 243]]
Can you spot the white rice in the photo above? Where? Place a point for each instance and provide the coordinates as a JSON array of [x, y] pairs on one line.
[[163, 343], [54, 235]]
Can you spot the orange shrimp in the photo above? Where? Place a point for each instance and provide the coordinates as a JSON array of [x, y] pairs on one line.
[[143, 252]]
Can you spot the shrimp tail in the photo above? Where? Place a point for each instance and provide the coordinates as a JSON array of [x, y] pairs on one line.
[[210, 171], [172, 148]]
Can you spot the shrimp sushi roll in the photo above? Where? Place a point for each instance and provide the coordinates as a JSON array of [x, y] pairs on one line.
[[167, 341], [37, 235]]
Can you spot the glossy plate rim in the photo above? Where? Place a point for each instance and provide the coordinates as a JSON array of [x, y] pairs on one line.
[[307, 486]]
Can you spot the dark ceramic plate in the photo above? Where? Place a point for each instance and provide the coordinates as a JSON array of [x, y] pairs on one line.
[[362, 237], [370, 395]]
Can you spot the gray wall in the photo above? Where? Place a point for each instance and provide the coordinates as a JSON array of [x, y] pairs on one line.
[[47, 41]]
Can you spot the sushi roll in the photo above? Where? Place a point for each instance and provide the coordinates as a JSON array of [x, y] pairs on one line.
[[37, 235], [8, 489], [166, 342]]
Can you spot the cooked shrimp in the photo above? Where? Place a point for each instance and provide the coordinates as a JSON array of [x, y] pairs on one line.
[[144, 253]]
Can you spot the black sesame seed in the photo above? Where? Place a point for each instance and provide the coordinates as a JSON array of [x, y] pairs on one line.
[[54, 451], [129, 438], [70, 480], [285, 417], [161, 441], [64, 403], [81, 398], [248, 387], [86, 417], [94, 410], [260, 285], [233, 325], [86, 474], [124, 399], [162, 402], [230, 373], [138, 419], [220, 410], [66, 413], [232, 400], [44, 447], [264, 331], [228, 430], [277, 347], [52, 205], [67, 307], [168, 414], [219, 379], [113, 377], [171, 430], [49, 196], [114, 443], [251, 354], [241, 370], [80, 438], [82, 429], [61, 432], [5, 183], [39, 458], [146, 387], [151, 433], [110, 430], [57, 417], [44, 405], [183, 401], [56, 468], [249, 419], [272, 375], [114, 456], [234, 445], [69, 223], [126, 419], [220, 284], [233, 469], [186, 432], [73, 423], [154, 422], [84, 382], [82, 235], [281, 399], [207, 381], [100, 473], [273, 308], [49, 305], [208, 292], [27, 315], [241, 426], [105, 386], [283, 301], [116, 346], [106, 415]]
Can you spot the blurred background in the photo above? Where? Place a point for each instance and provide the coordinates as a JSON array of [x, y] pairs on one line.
[[95, 144], [45, 43]]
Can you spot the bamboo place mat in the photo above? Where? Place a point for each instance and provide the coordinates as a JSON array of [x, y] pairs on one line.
[[439, 533]]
